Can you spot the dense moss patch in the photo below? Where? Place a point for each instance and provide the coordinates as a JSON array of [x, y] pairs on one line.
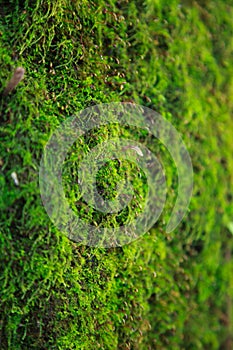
[[163, 291]]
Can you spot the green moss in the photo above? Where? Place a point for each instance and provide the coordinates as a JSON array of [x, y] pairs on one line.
[[163, 291]]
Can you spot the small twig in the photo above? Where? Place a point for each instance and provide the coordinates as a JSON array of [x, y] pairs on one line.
[[14, 81]]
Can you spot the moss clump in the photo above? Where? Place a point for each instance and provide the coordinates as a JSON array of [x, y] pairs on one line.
[[163, 291]]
